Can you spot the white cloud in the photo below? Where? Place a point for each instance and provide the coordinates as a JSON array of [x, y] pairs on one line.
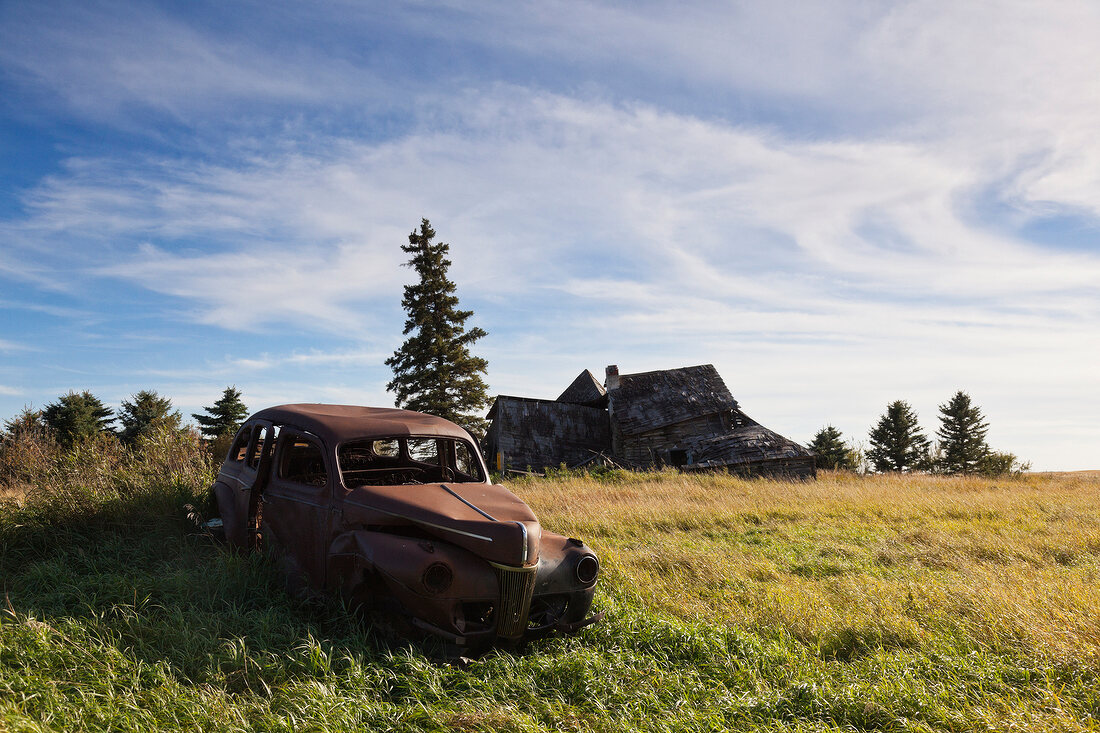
[[9, 346], [104, 61], [570, 187], [854, 238], [311, 359]]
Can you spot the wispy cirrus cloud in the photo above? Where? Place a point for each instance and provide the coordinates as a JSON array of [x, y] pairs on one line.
[[110, 60], [835, 203], [730, 210]]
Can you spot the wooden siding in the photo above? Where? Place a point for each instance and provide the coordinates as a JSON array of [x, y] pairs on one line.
[[651, 447], [528, 433]]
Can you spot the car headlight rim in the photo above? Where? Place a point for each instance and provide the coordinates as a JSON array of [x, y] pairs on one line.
[[586, 569], [437, 578]]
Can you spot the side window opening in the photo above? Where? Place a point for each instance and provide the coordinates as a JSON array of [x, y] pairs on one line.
[[240, 445], [465, 464], [302, 462], [258, 448]]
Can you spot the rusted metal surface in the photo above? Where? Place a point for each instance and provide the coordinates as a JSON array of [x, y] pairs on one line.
[[394, 510]]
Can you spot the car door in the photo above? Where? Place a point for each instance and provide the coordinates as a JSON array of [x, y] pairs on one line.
[[242, 479], [296, 511]]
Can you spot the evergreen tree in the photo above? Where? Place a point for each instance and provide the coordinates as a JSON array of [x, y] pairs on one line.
[[830, 452], [147, 412], [897, 443], [27, 447], [962, 436], [224, 417], [28, 420], [76, 416], [433, 371]]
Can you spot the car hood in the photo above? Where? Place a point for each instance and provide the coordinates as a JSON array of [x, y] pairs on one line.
[[486, 519]]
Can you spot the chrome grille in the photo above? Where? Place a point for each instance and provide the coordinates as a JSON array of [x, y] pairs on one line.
[[516, 587]]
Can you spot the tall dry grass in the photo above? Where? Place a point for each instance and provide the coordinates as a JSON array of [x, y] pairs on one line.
[[99, 472], [849, 564], [883, 603]]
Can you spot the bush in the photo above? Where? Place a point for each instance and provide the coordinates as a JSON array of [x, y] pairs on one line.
[[162, 466], [27, 447], [1002, 464]]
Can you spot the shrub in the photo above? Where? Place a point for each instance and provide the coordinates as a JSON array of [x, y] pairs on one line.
[[162, 466], [997, 463]]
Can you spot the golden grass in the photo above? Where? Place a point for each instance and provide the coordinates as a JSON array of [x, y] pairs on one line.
[[850, 563], [14, 493]]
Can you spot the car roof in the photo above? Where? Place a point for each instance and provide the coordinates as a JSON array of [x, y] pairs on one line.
[[337, 423]]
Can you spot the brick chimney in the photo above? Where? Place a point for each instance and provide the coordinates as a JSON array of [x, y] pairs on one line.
[[612, 381]]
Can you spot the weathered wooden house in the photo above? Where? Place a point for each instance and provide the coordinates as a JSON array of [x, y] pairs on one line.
[[530, 434], [685, 418]]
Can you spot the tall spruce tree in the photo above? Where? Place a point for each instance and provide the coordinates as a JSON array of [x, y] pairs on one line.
[[433, 371], [962, 436], [223, 417], [76, 416], [147, 412], [897, 443], [830, 451]]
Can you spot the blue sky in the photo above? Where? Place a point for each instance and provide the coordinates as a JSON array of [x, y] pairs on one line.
[[837, 204]]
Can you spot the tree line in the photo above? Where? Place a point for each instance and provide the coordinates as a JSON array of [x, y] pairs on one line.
[[897, 443], [80, 416], [434, 372]]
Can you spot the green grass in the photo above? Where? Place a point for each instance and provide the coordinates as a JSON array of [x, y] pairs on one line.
[[896, 603]]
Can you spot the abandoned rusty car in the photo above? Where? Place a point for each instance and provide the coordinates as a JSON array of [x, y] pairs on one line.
[[395, 510]]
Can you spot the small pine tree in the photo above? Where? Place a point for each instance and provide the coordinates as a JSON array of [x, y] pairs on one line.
[[224, 417], [830, 451], [962, 436], [433, 371], [28, 420], [26, 447], [897, 443], [147, 412], [76, 416]]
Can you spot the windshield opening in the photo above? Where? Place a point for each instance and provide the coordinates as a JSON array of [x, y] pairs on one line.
[[412, 460]]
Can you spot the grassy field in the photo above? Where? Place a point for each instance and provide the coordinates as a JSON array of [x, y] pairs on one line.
[[868, 603]]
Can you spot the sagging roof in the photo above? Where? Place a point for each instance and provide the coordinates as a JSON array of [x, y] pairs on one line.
[[743, 445], [652, 400], [585, 390], [337, 423]]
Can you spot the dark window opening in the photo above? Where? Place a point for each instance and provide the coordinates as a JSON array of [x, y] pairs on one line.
[[677, 457], [303, 463], [240, 445], [257, 451]]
